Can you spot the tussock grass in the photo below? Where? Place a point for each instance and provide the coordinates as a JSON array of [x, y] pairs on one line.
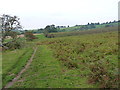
[[47, 72], [83, 61], [13, 62], [93, 31]]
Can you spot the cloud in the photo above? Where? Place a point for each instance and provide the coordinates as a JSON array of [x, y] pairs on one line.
[[39, 13]]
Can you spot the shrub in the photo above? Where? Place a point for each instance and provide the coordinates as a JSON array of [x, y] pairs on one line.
[[100, 74], [15, 44], [49, 35], [29, 36]]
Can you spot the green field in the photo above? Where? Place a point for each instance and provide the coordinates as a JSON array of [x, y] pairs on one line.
[[79, 61], [78, 28]]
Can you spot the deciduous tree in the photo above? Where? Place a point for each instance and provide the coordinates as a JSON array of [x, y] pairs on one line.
[[9, 23]]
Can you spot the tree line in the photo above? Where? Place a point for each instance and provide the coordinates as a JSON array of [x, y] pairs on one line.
[[52, 28], [10, 25]]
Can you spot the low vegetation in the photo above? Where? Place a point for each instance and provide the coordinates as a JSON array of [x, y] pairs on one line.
[[86, 61], [97, 54], [93, 31], [29, 36], [47, 72], [53, 28], [12, 63]]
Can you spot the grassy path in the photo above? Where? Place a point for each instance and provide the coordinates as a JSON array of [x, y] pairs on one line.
[[14, 63], [22, 71], [47, 72], [43, 72], [69, 62]]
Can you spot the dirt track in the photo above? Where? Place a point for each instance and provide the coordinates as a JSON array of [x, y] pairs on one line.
[[22, 71]]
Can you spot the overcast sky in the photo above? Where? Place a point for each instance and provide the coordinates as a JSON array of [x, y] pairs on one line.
[[39, 13]]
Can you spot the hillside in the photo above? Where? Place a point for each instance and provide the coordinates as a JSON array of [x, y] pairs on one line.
[[76, 27], [83, 32], [82, 61], [88, 27]]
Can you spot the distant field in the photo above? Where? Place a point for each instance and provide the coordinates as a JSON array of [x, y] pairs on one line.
[[40, 36], [92, 31], [78, 28]]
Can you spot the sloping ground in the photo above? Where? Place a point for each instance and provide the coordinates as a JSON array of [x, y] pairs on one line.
[[96, 56], [86, 61], [84, 32], [47, 72], [87, 27]]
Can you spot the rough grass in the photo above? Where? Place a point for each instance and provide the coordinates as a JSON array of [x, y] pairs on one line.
[[95, 56], [0, 70], [77, 28], [85, 61], [47, 72], [40, 36], [93, 31], [97, 53], [13, 62]]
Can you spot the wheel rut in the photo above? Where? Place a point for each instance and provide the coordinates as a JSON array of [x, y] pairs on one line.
[[22, 71]]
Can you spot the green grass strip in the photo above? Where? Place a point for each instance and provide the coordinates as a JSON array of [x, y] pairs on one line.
[[16, 68]]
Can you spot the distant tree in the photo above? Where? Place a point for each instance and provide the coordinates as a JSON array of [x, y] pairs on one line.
[[92, 24], [26, 30], [49, 29], [46, 30], [98, 23], [40, 29], [110, 22], [106, 22], [77, 25], [114, 21]]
